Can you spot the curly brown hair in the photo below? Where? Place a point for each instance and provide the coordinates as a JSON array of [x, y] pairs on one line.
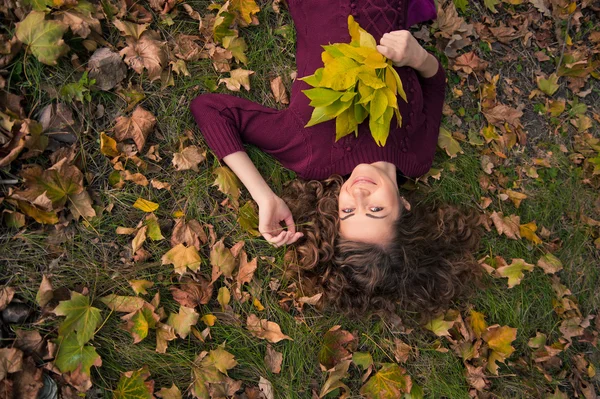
[[428, 263]]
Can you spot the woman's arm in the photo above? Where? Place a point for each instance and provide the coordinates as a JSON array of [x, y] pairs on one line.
[[404, 50], [272, 209]]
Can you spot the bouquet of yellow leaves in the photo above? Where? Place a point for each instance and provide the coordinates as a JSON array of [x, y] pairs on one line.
[[355, 82]]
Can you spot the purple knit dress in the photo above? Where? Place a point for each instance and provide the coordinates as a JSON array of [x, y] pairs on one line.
[[227, 122]]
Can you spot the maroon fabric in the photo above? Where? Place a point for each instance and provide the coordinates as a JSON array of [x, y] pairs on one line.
[[227, 122]]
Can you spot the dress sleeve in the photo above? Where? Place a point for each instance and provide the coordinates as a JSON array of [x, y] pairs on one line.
[[227, 122]]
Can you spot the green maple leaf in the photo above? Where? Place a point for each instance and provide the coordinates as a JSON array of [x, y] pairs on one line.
[[548, 86], [514, 271], [390, 382], [491, 5], [237, 46], [139, 322], [133, 385], [211, 368], [449, 143], [39, 5], [81, 317], [461, 4], [43, 38], [71, 355]]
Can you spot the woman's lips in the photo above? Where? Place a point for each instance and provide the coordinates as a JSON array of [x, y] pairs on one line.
[[362, 179]]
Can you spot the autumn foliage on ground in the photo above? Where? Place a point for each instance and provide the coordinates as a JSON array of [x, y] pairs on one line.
[[130, 261]]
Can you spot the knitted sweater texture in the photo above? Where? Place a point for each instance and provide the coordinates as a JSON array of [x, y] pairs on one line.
[[227, 122]]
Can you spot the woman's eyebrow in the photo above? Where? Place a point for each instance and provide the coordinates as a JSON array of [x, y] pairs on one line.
[[366, 214]]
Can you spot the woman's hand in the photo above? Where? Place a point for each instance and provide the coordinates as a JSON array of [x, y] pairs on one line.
[[271, 211], [403, 49]]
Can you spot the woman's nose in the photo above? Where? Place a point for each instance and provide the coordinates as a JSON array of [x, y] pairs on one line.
[[360, 193]]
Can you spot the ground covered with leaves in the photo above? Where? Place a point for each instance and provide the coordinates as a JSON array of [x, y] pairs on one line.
[[130, 264]]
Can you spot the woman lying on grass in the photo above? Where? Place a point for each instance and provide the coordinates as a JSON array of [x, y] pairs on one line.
[[357, 241]]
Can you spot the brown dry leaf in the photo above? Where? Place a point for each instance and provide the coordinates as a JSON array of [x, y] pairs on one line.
[[146, 53], [503, 113], [189, 158], [137, 126], [264, 329], [173, 392], [273, 360], [137, 178], [107, 68], [191, 293], [11, 361], [228, 183], [6, 296], [237, 78], [139, 239], [476, 377], [164, 334], [337, 345], [334, 381], [45, 292], [507, 225], [278, 90], [189, 233], [469, 63], [550, 264], [159, 185], [401, 350], [222, 260], [28, 382], [246, 269]]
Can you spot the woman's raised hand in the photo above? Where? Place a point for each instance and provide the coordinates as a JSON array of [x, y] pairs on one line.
[[403, 49], [272, 210]]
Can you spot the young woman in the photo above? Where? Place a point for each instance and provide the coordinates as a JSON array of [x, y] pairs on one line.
[[359, 243]]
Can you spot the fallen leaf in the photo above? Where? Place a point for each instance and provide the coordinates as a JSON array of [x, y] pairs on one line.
[[182, 257], [476, 377], [528, 231], [11, 361], [550, 263], [106, 68], [334, 381], [145, 53], [548, 86], [140, 322], [173, 392], [211, 369], [227, 182], [469, 63], [119, 303], [264, 329], [43, 38], [189, 158], [273, 360], [337, 345], [390, 382], [237, 78], [222, 259], [248, 219], [73, 356], [140, 286], [515, 197], [81, 318], [478, 324], [278, 90], [191, 293], [164, 334], [514, 271], [223, 297], [507, 225], [439, 326], [137, 126], [190, 233], [499, 339], [183, 321], [266, 388], [145, 205], [448, 143], [135, 384], [6, 296], [45, 292]]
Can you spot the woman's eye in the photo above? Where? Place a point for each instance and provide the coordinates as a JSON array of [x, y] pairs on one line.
[[376, 209], [347, 210]]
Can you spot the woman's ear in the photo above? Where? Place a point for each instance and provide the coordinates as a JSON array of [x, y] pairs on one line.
[[404, 203]]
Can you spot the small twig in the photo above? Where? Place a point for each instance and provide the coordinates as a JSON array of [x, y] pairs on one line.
[[9, 181], [562, 51]]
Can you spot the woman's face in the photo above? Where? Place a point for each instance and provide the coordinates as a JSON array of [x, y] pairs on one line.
[[368, 203]]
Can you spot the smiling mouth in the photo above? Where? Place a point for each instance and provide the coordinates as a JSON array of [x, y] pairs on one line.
[[363, 180]]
